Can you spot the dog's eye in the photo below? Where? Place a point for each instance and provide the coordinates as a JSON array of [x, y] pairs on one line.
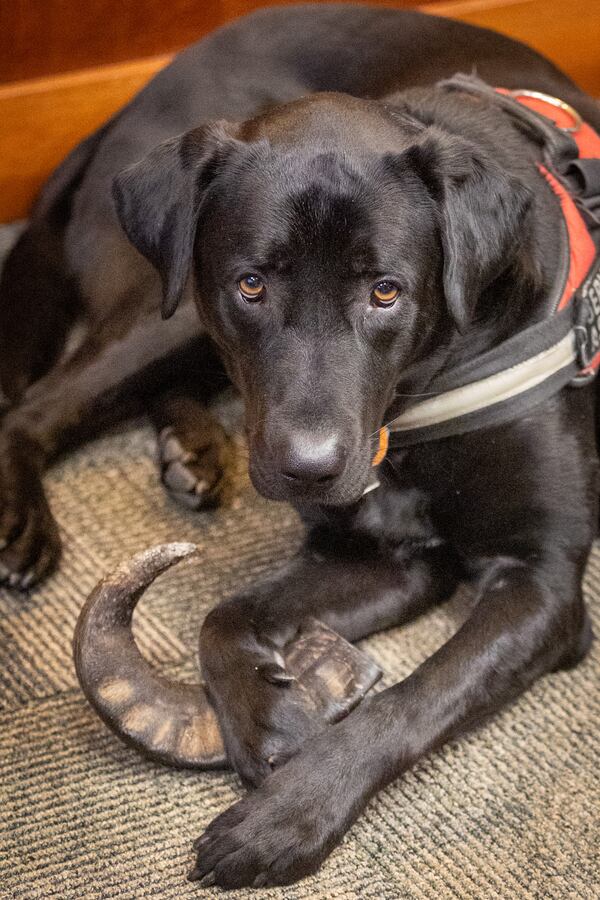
[[385, 294], [251, 287]]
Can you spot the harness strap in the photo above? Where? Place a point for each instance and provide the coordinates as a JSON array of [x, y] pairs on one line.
[[491, 400], [559, 145]]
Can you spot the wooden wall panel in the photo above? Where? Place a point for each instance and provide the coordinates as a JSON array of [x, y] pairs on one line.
[[47, 37], [567, 31], [41, 119]]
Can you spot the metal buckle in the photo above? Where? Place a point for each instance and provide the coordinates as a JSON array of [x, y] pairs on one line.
[[584, 356], [582, 378], [556, 102], [587, 325]]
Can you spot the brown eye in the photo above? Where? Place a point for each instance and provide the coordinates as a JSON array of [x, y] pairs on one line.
[[385, 294], [251, 287]]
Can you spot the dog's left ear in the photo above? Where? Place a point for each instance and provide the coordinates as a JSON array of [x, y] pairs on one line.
[[481, 212], [158, 201]]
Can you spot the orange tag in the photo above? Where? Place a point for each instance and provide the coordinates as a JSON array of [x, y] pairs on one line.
[[384, 441]]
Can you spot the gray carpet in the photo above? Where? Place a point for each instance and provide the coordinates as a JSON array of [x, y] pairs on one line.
[[509, 812]]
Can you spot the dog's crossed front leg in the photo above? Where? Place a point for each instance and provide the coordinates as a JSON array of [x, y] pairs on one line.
[[262, 719], [520, 628]]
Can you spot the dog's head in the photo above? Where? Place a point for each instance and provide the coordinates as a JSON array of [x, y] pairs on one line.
[[333, 243]]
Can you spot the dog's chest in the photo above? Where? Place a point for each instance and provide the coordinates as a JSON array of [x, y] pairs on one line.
[[399, 517]]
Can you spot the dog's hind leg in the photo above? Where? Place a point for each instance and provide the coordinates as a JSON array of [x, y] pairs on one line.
[[104, 380], [39, 300], [38, 304]]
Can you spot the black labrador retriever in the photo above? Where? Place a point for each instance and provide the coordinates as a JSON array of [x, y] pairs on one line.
[[337, 229]]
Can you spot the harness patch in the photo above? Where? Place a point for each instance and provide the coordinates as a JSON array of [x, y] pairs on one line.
[[587, 328]]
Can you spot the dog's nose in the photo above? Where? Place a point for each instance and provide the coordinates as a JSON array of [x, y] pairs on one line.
[[313, 459]]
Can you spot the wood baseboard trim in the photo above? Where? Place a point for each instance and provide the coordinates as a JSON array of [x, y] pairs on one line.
[[44, 118]]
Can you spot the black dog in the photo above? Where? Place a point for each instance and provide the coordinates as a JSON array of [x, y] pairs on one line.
[[342, 249]]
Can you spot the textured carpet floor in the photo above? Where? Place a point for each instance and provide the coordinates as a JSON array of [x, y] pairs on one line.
[[509, 812]]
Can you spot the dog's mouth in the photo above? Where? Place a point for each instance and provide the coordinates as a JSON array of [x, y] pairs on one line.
[[339, 483], [344, 493]]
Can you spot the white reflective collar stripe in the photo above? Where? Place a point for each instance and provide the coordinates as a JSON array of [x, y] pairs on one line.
[[488, 391]]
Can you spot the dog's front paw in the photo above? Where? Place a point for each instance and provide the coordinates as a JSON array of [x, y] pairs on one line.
[[193, 470], [262, 711], [29, 541], [285, 829]]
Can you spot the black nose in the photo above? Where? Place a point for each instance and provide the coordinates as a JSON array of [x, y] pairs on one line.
[[313, 459]]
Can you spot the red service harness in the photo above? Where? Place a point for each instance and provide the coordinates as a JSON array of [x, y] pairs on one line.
[[582, 249], [564, 348]]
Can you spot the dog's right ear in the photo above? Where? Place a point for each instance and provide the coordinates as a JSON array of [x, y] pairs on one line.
[[480, 210], [158, 201]]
